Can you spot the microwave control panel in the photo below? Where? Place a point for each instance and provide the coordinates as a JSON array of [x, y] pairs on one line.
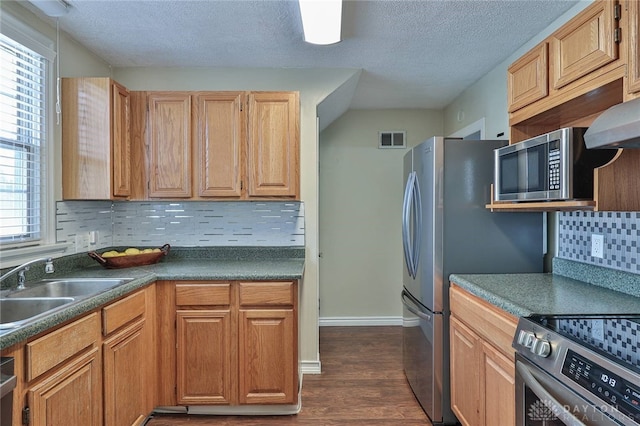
[[554, 166]]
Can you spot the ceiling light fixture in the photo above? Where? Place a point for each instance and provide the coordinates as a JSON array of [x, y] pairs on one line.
[[321, 20], [53, 8]]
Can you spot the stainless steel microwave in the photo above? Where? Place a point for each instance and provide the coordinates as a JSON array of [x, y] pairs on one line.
[[553, 166]]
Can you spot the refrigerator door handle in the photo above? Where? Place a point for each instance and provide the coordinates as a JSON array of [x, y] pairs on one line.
[[411, 306], [407, 205], [417, 237]]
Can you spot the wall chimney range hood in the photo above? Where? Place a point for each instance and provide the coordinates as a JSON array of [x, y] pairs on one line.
[[617, 127]]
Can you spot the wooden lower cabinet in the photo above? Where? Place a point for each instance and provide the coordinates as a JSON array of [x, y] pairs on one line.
[[498, 392], [236, 343], [482, 363], [71, 396], [72, 376], [205, 357], [465, 373], [268, 362], [125, 386]]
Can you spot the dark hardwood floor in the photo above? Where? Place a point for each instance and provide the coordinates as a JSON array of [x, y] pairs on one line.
[[362, 383]]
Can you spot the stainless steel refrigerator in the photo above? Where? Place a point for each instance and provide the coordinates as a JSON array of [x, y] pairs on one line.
[[447, 229]]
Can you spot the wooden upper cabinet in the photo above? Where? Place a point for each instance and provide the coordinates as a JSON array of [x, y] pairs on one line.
[[585, 43], [528, 78], [633, 7], [216, 145], [169, 127], [121, 140], [96, 142], [220, 124], [273, 144]]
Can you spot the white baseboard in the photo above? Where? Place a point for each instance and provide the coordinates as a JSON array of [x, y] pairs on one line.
[[358, 321], [310, 367]]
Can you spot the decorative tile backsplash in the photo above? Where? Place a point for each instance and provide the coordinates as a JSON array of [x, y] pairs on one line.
[[620, 337], [621, 231], [183, 224], [76, 219]]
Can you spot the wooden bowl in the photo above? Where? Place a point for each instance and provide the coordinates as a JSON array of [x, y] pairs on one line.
[[131, 260]]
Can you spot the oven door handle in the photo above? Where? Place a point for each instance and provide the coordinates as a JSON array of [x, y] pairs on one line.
[[556, 407]]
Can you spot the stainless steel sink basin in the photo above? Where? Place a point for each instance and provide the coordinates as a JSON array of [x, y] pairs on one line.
[[71, 287], [18, 311]]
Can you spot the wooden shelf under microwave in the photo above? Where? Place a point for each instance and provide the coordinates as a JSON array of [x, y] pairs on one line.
[[544, 206], [615, 188]]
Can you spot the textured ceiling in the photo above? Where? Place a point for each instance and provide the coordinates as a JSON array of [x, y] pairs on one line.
[[413, 54]]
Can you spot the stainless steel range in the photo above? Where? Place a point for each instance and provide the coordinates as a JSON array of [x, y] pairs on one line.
[[578, 370]]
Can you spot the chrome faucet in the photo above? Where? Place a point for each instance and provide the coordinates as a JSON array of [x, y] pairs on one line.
[[20, 270]]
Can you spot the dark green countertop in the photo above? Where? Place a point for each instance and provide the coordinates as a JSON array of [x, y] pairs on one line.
[[253, 264], [526, 294]]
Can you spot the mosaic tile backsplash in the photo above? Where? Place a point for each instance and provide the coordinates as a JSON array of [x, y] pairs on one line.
[[621, 231], [183, 224], [620, 338]]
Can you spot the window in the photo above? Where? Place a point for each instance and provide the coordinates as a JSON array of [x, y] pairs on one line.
[[22, 141], [24, 82]]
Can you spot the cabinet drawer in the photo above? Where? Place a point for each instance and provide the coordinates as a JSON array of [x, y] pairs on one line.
[[58, 346], [491, 323], [275, 293], [122, 312], [198, 294]]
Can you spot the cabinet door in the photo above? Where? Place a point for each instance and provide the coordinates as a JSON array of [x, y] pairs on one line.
[[465, 374], [268, 357], [169, 144], [528, 78], [498, 387], [205, 357], [634, 46], [273, 154], [121, 141], [218, 143], [125, 391], [71, 396], [86, 140], [584, 44]]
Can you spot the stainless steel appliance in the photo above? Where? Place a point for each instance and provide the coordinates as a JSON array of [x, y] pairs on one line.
[[577, 370], [553, 166], [447, 229], [617, 127], [7, 384]]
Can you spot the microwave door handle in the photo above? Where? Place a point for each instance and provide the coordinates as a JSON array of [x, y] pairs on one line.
[[556, 407], [406, 217]]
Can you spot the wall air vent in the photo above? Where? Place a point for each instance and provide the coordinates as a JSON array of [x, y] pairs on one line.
[[395, 139]]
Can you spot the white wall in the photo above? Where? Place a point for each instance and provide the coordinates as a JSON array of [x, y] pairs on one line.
[[361, 190], [488, 96], [361, 265], [313, 86]]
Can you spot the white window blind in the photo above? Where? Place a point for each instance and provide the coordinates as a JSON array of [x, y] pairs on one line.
[[23, 80]]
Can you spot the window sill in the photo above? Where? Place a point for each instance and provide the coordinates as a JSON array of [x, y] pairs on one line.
[[17, 256]]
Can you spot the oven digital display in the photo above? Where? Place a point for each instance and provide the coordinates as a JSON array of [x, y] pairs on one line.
[[620, 393]]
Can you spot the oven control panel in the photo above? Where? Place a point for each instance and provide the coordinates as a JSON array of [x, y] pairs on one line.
[[537, 345], [620, 393]]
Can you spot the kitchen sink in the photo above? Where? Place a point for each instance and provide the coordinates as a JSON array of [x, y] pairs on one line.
[[70, 287], [15, 312]]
